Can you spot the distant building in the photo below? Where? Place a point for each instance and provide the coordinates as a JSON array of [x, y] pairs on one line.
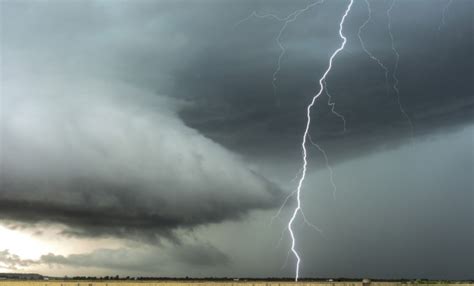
[[21, 276]]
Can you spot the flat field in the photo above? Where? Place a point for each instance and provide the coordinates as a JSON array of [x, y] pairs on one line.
[[161, 283]]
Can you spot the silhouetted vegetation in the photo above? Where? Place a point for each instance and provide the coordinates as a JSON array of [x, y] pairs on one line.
[[33, 276]]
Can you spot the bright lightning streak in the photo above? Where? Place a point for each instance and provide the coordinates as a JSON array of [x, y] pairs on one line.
[[305, 136], [359, 34], [288, 197], [395, 69], [286, 21], [307, 223]]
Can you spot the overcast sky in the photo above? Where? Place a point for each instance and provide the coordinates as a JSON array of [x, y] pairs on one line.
[[159, 138]]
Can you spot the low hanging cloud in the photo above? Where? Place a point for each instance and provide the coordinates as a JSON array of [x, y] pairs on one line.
[[12, 261], [109, 159], [143, 259]]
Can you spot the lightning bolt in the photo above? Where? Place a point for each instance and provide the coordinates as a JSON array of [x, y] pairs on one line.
[[380, 63], [286, 20], [359, 34], [332, 104], [395, 68], [323, 88], [289, 251], [298, 209], [328, 166]]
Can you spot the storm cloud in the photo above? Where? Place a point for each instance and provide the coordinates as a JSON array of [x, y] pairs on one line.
[[157, 121], [105, 159], [195, 52], [140, 259], [194, 255], [434, 64], [12, 261]]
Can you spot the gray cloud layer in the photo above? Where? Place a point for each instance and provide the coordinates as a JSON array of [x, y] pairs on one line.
[[129, 119], [140, 260], [195, 52], [12, 261], [435, 75], [106, 159]]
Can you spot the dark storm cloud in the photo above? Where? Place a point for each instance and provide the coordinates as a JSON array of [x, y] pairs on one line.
[[117, 259], [236, 105], [108, 160], [127, 219], [204, 255], [197, 256], [195, 51], [121, 118], [88, 139]]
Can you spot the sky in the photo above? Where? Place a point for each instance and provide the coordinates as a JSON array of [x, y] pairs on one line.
[[160, 138]]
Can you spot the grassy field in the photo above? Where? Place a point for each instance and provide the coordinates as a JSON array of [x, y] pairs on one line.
[[161, 283]]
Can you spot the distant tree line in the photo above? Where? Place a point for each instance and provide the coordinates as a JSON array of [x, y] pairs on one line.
[[34, 276], [265, 279]]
